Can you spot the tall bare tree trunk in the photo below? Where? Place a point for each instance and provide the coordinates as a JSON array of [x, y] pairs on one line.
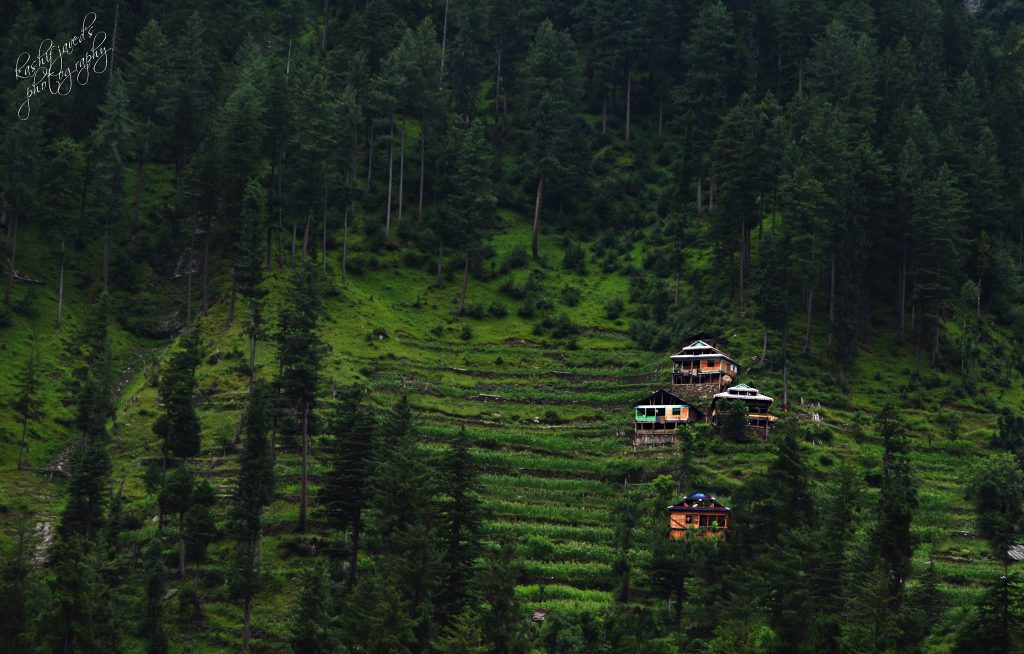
[[785, 364], [661, 113], [140, 174], [700, 199], [106, 252], [323, 38], [604, 113], [743, 259], [246, 620], [676, 301], [206, 268], [536, 215], [188, 292], [181, 545], [391, 170], [444, 35], [810, 310], [344, 248], [294, 243], [712, 187], [113, 39], [305, 236], [85, 193], [60, 288], [465, 285], [497, 85], [12, 255], [440, 258], [231, 301], [901, 290], [369, 155], [303, 492], [831, 298], [423, 159], [323, 233], [401, 172], [629, 93]]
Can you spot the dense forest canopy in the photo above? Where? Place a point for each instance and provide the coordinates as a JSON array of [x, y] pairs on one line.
[[328, 210]]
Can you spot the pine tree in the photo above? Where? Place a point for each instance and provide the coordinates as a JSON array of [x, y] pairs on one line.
[[150, 79], [112, 143], [89, 464], [26, 403], [300, 353], [996, 624], [192, 501], [892, 539], [16, 620], [470, 206], [937, 225], [462, 517], [345, 491], [311, 633], [551, 78], [253, 493], [997, 488], [463, 636], [405, 545], [504, 629], [178, 426], [151, 626]]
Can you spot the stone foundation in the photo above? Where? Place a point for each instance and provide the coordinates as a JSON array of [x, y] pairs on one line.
[[696, 391]]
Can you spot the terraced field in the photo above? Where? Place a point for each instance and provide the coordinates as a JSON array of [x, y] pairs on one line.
[[549, 419]]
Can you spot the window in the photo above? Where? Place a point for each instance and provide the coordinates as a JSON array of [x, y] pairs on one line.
[[677, 410], [660, 411], [689, 519], [704, 521]]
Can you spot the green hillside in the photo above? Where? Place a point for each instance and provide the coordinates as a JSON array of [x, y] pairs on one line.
[[460, 242]]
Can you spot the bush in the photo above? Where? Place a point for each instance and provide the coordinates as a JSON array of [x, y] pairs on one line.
[[474, 310], [571, 296], [614, 309], [517, 258], [497, 310], [467, 333], [551, 417], [575, 258], [5, 317], [561, 326]]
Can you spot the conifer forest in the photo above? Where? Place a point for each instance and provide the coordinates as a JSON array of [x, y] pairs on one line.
[[512, 326]]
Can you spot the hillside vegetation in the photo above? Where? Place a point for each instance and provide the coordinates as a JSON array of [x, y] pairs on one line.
[[458, 289]]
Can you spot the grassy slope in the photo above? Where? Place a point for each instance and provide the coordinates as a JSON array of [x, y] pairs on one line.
[[547, 480]]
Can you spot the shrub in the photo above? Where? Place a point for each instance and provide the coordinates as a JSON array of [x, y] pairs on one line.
[[5, 317], [614, 309], [517, 257], [474, 310], [497, 310], [571, 296], [551, 417], [575, 258], [467, 333], [437, 330]]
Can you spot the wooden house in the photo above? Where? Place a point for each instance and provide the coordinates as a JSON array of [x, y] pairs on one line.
[[700, 363], [758, 405], [699, 515], [656, 417]]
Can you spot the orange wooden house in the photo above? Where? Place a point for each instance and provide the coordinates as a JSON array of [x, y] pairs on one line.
[[758, 404], [700, 363], [698, 516], [656, 417]]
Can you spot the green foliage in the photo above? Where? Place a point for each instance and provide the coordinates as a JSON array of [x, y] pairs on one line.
[[997, 487]]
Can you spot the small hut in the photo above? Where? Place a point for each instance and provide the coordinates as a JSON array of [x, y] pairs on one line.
[[701, 363], [656, 417], [699, 515], [758, 405]]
